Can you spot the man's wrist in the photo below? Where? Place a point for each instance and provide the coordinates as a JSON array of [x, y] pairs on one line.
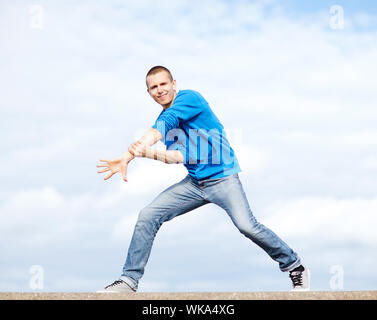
[[128, 156]]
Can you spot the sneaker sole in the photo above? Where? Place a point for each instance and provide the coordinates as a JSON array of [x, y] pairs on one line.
[[110, 291]]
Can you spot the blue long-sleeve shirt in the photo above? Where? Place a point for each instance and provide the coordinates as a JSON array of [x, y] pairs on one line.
[[190, 126]]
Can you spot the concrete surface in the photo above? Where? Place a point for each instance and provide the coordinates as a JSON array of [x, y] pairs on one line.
[[310, 295]]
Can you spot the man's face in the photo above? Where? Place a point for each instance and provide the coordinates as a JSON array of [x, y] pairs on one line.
[[161, 88]]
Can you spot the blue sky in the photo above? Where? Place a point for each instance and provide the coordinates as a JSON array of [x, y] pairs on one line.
[[296, 96], [320, 5]]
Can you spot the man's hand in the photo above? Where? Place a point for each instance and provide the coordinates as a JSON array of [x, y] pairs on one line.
[[119, 164], [138, 149], [141, 148]]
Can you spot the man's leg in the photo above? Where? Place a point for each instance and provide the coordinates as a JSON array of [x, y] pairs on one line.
[[178, 199], [229, 194]]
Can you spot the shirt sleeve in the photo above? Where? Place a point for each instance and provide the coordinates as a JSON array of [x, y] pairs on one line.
[[185, 107]]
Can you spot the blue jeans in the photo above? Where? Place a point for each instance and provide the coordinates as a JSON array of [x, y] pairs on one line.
[[190, 194]]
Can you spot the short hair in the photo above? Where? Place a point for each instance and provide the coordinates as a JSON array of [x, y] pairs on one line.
[[157, 69]]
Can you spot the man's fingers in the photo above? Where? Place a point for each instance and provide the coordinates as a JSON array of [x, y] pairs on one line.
[[102, 165], [108, 176], [124, 173], [103, 170], [131, 150]]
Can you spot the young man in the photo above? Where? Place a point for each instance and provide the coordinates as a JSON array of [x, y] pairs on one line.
[[195, 137]]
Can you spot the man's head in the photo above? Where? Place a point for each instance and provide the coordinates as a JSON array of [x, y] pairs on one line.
[[161, 86]]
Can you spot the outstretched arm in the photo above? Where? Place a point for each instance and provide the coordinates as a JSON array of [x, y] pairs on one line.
[[142, 148], [137, 149], [150, 137]]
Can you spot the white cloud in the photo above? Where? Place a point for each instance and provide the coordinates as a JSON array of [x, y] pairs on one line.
[[251, 159], [42, 213], [329, 220], [355, 141]]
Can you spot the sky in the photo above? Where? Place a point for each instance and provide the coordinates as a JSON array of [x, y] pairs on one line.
[[293, 83]]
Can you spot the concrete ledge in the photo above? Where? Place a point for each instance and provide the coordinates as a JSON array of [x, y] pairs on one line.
[[310, 295]]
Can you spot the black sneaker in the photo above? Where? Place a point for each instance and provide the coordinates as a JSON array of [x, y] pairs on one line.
[[300, 277]]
